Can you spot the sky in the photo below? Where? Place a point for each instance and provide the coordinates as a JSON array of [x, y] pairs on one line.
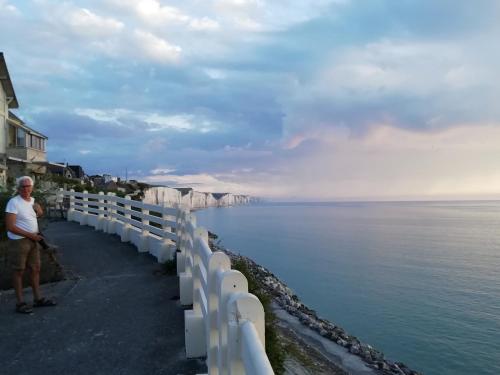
[[287, 100]]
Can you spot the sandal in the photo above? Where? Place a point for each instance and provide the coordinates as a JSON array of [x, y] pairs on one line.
[[42, 302], [23, 308]]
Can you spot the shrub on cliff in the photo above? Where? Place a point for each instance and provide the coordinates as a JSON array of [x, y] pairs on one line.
[[274, 348]]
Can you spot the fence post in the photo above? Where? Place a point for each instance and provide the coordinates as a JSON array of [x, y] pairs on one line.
[[101, 224], [179, 231], [241, 308], [125, 236], [194, 334], [228, 282], [59, 202], [186, 279], [192, 291], [189, 242], [71, 209], [218, 261], [143, 244], [167, 246], [195, 273], [85, 207], [110, 212]]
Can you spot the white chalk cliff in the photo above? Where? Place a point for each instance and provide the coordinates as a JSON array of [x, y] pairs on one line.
[[192, 199]]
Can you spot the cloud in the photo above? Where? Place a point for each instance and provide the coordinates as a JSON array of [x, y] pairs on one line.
[[416, 85], [178, 122], [203, 24], [389, 66], [201, 182], [286, 98], [390, 163], [61, 127], [100, 115], [162, 171], [8, 9], [215, 73], [157, 48], [153, 13], [152, 122], [88, 24], [262, 16]]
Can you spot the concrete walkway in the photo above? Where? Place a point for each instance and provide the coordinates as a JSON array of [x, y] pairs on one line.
[[117, 314]]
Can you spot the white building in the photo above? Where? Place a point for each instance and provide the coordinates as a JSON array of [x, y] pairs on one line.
[[108, 178], [25, 149], [8, 101], [22, 149]]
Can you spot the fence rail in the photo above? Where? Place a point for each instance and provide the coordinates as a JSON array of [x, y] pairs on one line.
[[225, 323]]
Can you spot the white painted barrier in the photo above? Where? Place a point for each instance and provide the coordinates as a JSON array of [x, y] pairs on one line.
[[148, 227], [226, 323]]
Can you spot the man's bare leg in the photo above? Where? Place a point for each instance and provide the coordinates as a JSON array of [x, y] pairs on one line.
[[35, 282], [17, 281]]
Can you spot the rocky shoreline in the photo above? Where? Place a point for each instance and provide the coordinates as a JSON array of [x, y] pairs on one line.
[[283, 296]]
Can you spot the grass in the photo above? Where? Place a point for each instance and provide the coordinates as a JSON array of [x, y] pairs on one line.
[[293, 350], [170, 266]]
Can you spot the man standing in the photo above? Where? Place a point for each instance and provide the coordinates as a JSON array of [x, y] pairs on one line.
[[22, 230]]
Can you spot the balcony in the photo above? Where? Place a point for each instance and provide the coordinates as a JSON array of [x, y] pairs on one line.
[[27, 154]]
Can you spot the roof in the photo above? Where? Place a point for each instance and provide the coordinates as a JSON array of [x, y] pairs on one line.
[[77, 170], [7, 83], [56, 168], [21, 123]]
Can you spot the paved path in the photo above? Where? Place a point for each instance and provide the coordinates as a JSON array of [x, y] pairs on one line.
[[116, 314]]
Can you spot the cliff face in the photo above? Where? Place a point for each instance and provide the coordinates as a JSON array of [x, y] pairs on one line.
[[158, 195], [192, 199]]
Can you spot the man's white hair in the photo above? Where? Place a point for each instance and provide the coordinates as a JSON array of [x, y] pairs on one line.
[[20, 180]]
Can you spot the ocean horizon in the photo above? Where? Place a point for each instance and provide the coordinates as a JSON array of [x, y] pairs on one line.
[[417, 280]]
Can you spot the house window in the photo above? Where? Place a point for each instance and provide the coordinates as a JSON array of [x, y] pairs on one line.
[[12, 136], [21, 138], [36, 142]]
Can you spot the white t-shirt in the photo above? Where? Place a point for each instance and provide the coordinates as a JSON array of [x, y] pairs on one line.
[[25, 215]]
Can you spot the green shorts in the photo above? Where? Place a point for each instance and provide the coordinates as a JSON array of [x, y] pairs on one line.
[[22, 253]]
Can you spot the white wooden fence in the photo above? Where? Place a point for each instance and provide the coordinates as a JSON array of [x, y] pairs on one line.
[[226, 323]]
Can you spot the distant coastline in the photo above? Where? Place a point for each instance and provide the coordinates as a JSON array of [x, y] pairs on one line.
[[192, 199]]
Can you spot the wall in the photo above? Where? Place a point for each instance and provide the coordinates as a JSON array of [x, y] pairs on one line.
[[27, 153], [4, 113]]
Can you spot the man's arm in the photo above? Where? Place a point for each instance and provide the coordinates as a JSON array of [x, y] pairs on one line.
[[10, 223], [38, 210]]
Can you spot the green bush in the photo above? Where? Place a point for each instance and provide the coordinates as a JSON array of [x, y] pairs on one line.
[[120, 194], [170, 266], [4, 198]]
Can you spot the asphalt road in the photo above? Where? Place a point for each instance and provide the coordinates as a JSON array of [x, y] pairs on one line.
[[116, 314]]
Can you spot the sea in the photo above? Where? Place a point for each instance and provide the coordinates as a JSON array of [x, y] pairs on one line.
[[419, 281]]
